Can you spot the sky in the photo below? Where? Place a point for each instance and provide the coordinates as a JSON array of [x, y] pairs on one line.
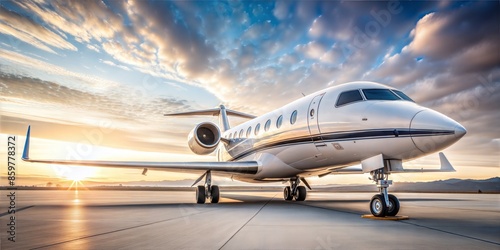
[[94, 78]]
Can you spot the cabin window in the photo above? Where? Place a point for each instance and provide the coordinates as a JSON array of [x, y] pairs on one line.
[[349, 97], [257, 128], [380, 94], [249, 132], [279, 121], [241, 133], [402, 95], [229, 137], [267, 125], [235, 135], [293, 118]]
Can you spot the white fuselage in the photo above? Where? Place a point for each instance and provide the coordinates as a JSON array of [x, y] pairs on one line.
[[325, 136]]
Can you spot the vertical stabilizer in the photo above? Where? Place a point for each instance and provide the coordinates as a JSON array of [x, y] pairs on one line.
[[223, 120]]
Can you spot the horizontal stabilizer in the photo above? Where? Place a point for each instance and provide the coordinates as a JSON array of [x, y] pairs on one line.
[[396, 166], [212, 112]]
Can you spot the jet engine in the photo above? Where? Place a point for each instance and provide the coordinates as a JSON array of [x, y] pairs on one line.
[[204, 138]]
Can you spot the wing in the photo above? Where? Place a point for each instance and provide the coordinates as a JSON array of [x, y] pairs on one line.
[[241, 167]]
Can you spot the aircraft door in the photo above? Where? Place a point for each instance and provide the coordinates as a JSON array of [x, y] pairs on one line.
[[312, 120]]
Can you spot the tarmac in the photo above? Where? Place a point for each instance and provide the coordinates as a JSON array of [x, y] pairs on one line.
[[246, 220]]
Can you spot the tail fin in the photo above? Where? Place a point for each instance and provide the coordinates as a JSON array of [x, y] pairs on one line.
[[221, 112]]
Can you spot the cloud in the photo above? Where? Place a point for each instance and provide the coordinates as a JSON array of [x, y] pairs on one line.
[[443, 56], [90, 81], [281, 9], [50, 102], [30, 32], [444, 34], [85, 20], [313, 49], [93, 47], [110, 63]]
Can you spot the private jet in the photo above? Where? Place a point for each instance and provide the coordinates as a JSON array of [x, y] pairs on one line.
[[353, 128]]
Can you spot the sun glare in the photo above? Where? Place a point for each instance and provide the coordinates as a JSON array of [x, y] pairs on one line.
[[75, 174]]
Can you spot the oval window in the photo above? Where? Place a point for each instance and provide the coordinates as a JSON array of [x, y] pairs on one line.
[[293, 118], [267, 125], [249, 132], [241, 133], [279, 121], [257, 128], [311, 112]]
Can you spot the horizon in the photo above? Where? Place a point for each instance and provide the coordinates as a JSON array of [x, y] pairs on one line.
[[95, 83]]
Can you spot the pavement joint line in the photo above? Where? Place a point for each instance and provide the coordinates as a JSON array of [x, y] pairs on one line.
[[17, 210], [247, 222], [119, 230], [448, 232], [409, 223]]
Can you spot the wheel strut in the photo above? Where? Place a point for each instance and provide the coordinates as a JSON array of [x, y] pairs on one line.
[[208, 191], [294, 190], [391, 206]]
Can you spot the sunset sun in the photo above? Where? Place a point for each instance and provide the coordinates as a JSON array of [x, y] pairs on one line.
[[75, 174]]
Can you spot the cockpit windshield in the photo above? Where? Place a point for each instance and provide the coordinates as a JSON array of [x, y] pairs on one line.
[[379, 94], [352, 96], [403, 95]]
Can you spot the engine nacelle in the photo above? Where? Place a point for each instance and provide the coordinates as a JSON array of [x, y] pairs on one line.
[[204, 138]]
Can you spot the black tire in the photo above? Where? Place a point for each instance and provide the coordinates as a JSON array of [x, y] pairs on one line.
[[301, 193], [393, 207], [287, 194], [200, 194], [215, 194], [377, 206]]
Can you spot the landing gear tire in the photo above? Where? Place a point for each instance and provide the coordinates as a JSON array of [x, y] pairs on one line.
[[200, 194], [377, 206], [301, 193], [215, 194], [287, 194], [393, 207]]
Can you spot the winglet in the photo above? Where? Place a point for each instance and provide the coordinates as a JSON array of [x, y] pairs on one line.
[[26, 151], [445, 164]]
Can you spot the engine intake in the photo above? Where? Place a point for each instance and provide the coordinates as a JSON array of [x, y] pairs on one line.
[[204, 138]]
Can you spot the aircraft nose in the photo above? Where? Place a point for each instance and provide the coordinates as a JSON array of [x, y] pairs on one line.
[[432, 131], [460, 131]]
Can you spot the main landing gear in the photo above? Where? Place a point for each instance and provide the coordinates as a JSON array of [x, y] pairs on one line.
[[209, 191], [294, 191], [383, 204]]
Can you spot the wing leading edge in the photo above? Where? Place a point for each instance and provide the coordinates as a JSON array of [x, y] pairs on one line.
[[241, 167]]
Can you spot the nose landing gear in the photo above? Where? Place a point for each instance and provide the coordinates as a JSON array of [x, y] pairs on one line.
[[383, 204]]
